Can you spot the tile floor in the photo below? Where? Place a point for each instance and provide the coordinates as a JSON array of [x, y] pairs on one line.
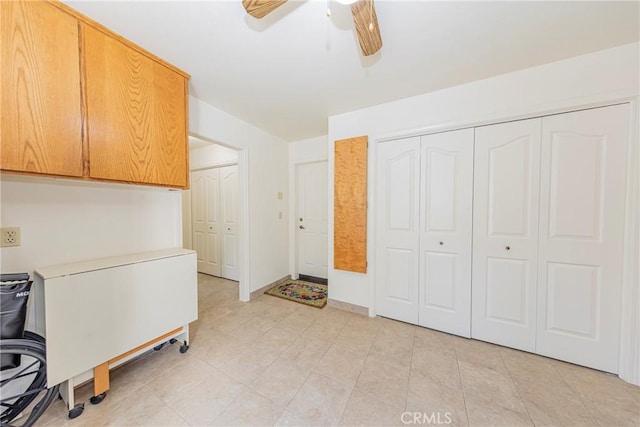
[[275, 362]]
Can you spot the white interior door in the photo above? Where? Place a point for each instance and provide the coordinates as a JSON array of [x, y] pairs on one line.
[[312, 221], [229, 191], [397, 228], [582, 199], [446, 199], [505, 233], [205, 202]]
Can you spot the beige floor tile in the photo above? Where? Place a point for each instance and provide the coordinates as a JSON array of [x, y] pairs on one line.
[[609, 399], [553, 405], [440, 366], [306, 351], [529, 366], [281, 381], [247, 357], [253, 329], [275, 341], [485, 383], [365, 324], [364, 410], [436, 403], [277, 309], [298, 321], [480, 354], [249, 408], [341, 364], [290, 419], [357, 338], [145, 410], [487, 412], [219, 349], [320, 401], [394, 328], [196, 391], [248, 364], [394, 350], [385, 382], [428, 339], [326, 328]]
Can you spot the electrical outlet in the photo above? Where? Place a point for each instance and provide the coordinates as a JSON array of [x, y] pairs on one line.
[[10, 236]]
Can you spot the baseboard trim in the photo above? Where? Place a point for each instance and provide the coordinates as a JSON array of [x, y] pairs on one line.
[[341, 305], [258, 292]]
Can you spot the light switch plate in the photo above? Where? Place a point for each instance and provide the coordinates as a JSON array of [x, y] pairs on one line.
[[10, 236]]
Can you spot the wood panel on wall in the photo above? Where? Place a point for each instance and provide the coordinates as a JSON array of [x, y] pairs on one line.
[[350, 205]]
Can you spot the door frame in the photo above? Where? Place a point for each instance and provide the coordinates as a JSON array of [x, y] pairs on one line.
[[244, 256], [629, 369]]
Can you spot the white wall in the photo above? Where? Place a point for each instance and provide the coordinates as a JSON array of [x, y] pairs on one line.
[[304, 151], [65, 220], [267, 175], [585, 80]]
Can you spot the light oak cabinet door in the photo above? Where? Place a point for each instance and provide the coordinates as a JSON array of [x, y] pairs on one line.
[[136, 114], [41, 123]]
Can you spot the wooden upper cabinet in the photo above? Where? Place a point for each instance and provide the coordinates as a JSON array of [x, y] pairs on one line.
[[136, 114], [40, 107]]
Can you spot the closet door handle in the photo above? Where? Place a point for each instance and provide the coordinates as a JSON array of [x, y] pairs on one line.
[[301, 227], [441, 243], [507, 248]]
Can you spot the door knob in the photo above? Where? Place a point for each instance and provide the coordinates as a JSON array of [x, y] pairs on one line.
[[228, 229], [210, 228], [507, 247], [301, 227], [300, 219], [441, 243]]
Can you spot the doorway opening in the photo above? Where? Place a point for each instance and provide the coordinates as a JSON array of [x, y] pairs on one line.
[[215, 220]]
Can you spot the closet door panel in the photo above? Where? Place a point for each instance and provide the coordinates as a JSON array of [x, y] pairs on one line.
[[505, 228], [582, 200], [397, 226], [446, 188]]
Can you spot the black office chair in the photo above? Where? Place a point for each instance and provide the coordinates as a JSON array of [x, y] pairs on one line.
[[24, 395]]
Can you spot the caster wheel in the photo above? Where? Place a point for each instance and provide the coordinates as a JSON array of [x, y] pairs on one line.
[[99, 398], [184, 347], [159, 347], [76, 411], [173, 341]]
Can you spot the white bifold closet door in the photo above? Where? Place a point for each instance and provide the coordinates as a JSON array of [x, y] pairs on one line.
[[397, 231], [424, 218], [229, 192], [214, 207], [505, 233], [205, 208], [582, 213], [446, 196]]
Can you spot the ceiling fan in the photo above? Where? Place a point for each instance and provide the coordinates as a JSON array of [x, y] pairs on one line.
[[364, 18]]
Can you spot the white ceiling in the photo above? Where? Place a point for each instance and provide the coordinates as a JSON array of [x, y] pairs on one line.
[[289, 71]]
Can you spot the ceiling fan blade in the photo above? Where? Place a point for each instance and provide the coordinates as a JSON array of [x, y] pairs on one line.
[[366, 21], [261, 8]]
